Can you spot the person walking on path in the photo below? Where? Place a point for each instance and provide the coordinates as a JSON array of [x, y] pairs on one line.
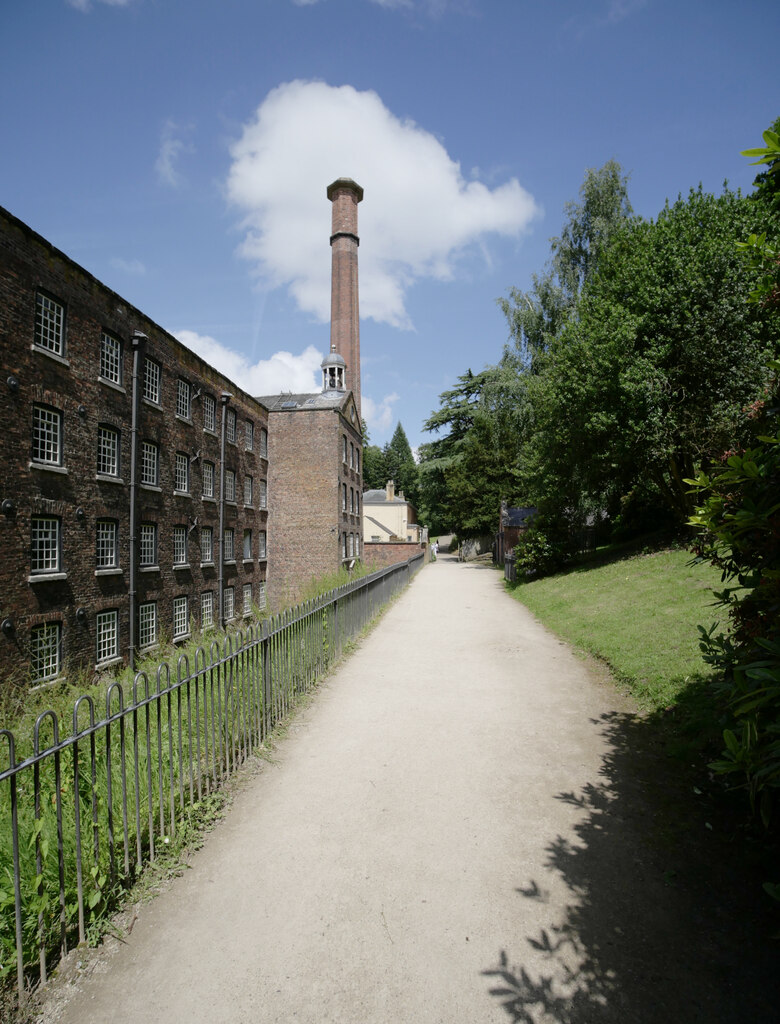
[[450, 833]]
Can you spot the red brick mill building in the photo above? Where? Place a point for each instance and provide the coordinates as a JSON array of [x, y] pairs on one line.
[[136, 490]]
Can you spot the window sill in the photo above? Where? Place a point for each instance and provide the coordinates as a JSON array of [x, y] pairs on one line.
[[208, 497], [151, 404], [51, 355], [151, 487], [104, 478], [183, 419], [181, 494], [181, 637], [229, 561], [207, 565], [233, 504], [117, 387], [249, 561], [262, 558], [47, 684], [148, 648], [208, 430], [182, 565], [46, 577], [108, 663], [109, 572], [148, 568], [44, 468]]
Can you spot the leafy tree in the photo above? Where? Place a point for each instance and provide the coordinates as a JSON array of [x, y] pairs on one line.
[[739, 524], [536, 318], [649, 381], [466, 472], [374, 471]]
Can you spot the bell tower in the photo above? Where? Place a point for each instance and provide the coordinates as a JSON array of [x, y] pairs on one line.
[[345, 194]]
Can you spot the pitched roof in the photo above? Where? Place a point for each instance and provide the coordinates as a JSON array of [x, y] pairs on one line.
[[288, 402], [379, 497]]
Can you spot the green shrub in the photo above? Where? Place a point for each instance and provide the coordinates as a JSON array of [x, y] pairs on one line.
[[739, 520]]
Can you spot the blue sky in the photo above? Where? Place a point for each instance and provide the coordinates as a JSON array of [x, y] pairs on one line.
[[180, 151]]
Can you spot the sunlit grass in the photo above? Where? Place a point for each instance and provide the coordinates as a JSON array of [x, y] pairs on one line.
[[639, 614]]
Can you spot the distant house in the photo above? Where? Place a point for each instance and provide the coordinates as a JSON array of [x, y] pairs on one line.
[[511, 524], [388, 517]]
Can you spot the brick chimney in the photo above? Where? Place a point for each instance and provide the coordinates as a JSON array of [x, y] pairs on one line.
[[345, 194], [390, 490]]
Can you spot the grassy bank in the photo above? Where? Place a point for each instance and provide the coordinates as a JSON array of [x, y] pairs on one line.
[[639, 614]]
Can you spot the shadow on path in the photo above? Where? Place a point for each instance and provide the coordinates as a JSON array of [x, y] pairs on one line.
[[666, 922]]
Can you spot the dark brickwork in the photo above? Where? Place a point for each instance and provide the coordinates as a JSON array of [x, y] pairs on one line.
[[307, 476], [74, 494]]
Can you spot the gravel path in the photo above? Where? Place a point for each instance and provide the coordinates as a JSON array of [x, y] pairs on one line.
[[450, 833]]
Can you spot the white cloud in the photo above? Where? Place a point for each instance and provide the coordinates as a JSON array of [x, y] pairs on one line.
[[172, 145], [282, 372], [378, 415], [134, 267], [85, 5], [418, 215]]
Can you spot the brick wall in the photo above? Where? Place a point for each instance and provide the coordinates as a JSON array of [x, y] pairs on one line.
[[377, 555], [73, 493], [307, 473]]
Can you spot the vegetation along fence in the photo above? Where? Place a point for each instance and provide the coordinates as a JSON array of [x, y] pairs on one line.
[[80, 815]]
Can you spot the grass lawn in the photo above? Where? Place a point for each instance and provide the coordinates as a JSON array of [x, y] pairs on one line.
[[639, 614]]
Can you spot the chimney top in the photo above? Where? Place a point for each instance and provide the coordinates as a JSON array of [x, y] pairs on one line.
[[347, 183]]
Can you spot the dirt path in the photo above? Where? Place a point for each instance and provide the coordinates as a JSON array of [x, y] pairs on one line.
[[452, 832]]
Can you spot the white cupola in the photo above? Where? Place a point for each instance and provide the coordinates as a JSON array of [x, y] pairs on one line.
[[333, 372]]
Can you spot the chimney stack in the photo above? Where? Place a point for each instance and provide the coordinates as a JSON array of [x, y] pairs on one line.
[[345, 194], [390, 490]]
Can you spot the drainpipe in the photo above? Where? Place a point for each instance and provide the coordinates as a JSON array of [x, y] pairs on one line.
[[225, 398], [138, 342]]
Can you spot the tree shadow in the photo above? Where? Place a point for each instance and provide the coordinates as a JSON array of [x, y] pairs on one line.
[[666, 919]]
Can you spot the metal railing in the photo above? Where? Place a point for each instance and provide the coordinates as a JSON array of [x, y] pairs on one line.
[[81, 815]]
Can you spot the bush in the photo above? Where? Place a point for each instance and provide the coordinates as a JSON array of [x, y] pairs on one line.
[[739, 522]]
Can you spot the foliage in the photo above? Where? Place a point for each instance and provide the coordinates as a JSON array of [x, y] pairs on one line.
[[649, 381], [739, 524], [465, 473], [536, 318], [374, 469], [535, 555], [400, 466]]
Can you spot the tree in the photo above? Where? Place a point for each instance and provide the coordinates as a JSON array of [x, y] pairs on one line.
[[400, 465], [465, 473], [537, 317], [374, 470], [648, 382], [739, 532]]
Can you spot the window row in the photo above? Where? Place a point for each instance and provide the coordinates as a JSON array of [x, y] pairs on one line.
[[46, 639], [46, 545], [350, 545], [47, 450], [49, 335], [354, 500], [350, 456]]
